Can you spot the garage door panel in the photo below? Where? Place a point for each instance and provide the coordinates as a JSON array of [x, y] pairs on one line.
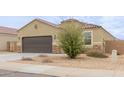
[[37, 44]]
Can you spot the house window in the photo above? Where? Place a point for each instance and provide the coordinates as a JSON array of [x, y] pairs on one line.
[[87, 38]]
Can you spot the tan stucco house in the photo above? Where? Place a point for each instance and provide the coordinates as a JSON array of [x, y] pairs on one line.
[[7, 35], [41, 36]]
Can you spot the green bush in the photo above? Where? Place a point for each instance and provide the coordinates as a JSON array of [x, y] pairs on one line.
[[96, 54], [71, 40]]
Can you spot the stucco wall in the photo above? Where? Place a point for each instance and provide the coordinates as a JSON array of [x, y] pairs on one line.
[[99, 36], [4, 38]]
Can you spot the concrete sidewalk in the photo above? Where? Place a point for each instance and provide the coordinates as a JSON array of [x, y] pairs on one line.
[[59, 71]]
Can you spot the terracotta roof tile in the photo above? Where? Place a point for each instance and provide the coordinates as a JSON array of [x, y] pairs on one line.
[[7, 30], [84, 25]]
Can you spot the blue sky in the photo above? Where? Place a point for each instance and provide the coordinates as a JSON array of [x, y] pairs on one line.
[[113, 24]]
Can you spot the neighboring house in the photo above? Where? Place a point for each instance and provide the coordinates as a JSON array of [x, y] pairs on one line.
[[7, 34], [41, 36]]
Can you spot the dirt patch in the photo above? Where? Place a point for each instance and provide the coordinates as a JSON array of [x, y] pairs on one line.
[[81, 61]]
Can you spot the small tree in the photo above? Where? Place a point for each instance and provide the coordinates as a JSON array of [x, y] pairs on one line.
[[71, 39]]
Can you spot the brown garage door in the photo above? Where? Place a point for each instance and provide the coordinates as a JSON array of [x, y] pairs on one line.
[[42, 44]]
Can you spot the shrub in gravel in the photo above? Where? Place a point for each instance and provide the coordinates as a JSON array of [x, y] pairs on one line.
[[71, 40], [97, 54]]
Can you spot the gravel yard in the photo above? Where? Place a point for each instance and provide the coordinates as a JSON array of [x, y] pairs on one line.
[[82, 61]]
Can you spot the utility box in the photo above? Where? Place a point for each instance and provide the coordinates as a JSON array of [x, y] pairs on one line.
[[114, 55]]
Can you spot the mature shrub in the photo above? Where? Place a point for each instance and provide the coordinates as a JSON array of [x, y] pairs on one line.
[[96, 54], [71, 40]]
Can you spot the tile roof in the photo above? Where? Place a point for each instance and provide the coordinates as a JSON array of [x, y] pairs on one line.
[[84, 25], [87, 25], [7, 30]]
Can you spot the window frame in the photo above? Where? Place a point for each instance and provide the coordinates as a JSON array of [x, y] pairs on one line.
[[91, 37]]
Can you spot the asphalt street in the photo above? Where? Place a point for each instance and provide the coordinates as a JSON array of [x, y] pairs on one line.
[[6, 73]]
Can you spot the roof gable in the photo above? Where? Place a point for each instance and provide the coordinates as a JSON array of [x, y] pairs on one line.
[[46, 22], [42, 21]]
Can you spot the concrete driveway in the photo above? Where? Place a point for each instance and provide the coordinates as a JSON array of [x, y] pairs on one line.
[[16, 56]]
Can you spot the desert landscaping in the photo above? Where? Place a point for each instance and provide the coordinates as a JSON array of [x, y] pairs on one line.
[[81, 61], [72, 44]]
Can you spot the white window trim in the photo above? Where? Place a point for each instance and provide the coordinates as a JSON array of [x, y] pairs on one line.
[[91, 38]]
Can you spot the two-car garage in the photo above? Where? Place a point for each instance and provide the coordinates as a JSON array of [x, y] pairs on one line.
[[37, 44], [38, 36]]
